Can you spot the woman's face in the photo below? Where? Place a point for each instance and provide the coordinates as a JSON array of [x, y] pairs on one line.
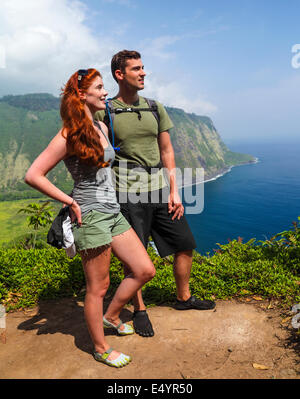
[[95, 95]]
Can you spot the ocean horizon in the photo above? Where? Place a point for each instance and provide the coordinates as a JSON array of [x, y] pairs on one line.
[[256, 200]]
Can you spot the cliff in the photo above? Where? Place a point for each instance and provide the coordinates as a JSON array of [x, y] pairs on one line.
[[28, 123]]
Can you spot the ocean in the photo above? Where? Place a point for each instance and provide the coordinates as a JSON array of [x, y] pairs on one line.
[[251, 201]]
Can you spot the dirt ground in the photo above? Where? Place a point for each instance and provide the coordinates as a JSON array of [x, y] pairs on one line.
[[233, 341]]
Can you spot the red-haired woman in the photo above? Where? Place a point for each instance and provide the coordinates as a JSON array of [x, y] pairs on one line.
[[84, 146]]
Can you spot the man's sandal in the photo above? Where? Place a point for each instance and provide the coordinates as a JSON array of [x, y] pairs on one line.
[[126, 331], [195, 303], [141, 323], [121, 361]]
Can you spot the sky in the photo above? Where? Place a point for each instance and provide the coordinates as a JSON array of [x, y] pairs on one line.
[[237, 62]]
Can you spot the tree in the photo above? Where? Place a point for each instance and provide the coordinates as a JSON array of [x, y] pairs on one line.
[[39, 216]]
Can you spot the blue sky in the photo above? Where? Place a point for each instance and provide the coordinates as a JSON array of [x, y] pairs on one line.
[[230, 60]]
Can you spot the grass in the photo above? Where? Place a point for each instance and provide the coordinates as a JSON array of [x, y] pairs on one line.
[[14, 225]]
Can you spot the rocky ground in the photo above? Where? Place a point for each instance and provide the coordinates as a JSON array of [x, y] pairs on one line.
[[236, 340]]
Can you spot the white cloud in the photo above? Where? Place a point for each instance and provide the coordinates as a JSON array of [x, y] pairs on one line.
[[156, 47], [44, 42], [126, 3], [174, 94]]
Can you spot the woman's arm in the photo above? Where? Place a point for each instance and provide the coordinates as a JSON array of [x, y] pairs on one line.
[[46, 161]]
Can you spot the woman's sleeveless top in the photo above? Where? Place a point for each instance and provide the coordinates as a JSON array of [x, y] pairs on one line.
[[93, 187]]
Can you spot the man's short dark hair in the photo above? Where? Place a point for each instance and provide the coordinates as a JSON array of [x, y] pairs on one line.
[[119, 60]]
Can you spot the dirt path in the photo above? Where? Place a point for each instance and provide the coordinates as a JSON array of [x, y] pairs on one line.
[[51, 341]]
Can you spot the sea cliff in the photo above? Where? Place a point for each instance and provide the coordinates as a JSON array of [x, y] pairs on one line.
[[28, 123]]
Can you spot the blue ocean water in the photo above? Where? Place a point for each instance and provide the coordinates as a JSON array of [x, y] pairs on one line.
[[256, 200]]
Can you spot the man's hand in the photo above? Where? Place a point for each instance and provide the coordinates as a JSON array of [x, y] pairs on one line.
[[168, 161], [175, 205]]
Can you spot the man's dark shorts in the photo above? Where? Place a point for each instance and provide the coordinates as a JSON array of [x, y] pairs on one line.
[[147, 219]]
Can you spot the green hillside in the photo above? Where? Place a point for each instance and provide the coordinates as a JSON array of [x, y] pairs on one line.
[[15, 225], [29, 122], [27, 125]]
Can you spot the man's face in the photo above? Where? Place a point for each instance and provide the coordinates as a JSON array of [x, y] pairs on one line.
[[134, 74]]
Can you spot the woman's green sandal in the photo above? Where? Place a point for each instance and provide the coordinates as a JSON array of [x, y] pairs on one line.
[[121, 361], [127, 330]]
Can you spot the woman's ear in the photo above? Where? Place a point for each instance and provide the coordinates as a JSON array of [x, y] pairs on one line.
[[82, 95]]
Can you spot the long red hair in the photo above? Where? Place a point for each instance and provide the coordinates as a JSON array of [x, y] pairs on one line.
[[82, 138]]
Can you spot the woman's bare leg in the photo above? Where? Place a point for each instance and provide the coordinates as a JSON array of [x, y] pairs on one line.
[[137, 299], [128, 248], [96, 264]]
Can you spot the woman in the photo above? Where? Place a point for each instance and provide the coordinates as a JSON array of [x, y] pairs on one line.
[[84, 146]]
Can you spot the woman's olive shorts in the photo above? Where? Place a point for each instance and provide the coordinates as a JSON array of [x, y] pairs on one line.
[[97, 229]]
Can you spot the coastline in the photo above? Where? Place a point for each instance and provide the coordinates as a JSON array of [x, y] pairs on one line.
[[219, 174]]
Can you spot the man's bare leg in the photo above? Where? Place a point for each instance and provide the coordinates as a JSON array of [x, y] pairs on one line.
[[182, 272]]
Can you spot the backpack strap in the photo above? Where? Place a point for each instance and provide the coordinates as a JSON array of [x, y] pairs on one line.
[[110, 113], [154, 108], [109, 121]]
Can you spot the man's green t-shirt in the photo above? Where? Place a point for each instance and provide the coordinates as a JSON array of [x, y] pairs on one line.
[[138, 142]]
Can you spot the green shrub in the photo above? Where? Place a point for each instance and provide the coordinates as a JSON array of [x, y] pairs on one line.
[[27, 241], [29, 275], [267, 268]]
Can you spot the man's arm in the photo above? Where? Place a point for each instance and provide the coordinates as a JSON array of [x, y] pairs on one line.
[[168, 161]]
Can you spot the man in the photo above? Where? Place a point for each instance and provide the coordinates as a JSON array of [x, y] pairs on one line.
[[143, 139]]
